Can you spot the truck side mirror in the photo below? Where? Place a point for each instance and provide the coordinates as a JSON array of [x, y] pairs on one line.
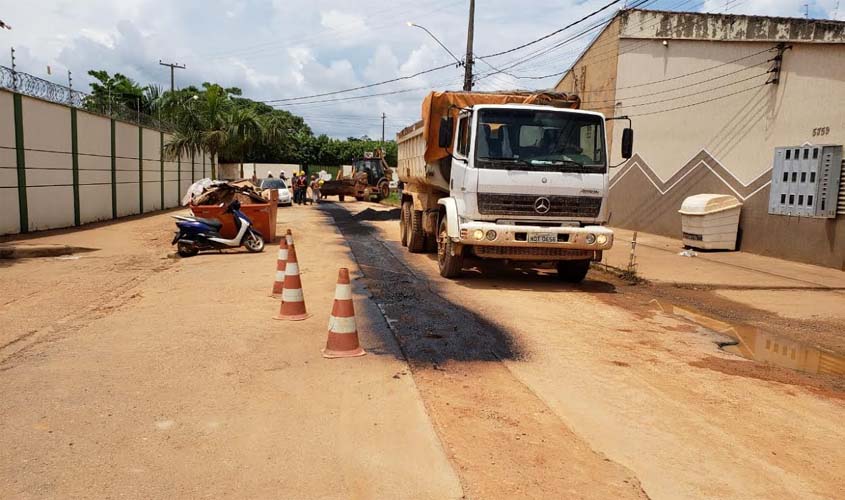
[[444, 138], [627, 143]]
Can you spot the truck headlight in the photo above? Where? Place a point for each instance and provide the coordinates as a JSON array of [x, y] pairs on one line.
[[491, 235], [478, 234], [601, 239], [591, 238]]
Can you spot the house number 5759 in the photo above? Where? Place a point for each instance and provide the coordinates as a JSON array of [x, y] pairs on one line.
[[821, 131]]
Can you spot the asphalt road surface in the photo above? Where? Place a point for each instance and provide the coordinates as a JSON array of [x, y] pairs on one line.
[[128, 373]]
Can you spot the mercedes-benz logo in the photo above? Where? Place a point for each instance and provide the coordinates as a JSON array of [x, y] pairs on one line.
[[542, 205]]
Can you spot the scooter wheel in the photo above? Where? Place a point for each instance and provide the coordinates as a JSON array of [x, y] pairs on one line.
[[186, 250], [254, 243]]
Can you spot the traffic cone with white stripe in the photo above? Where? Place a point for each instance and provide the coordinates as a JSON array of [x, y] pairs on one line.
[[293, 301], [281, 262], [343, 332], [289, 237]]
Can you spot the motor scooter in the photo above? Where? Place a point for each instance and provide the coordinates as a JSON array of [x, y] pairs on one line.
[[196, 233]]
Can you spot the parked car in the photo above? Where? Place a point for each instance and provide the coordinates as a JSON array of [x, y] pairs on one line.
[[279, 185]]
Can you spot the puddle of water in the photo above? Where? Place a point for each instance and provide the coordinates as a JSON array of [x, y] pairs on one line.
[[753, 343]]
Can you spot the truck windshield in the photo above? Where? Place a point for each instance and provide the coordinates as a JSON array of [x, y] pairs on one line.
[[524, 139]]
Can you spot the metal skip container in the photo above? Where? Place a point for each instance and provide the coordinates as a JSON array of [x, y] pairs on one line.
[[710, 221]]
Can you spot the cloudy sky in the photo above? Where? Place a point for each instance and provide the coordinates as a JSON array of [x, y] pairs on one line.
[[277, 49]]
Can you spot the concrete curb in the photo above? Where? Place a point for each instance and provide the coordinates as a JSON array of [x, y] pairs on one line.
[[33, 251]]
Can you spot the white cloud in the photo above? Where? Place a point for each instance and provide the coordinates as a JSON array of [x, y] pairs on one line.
[[287, 48]]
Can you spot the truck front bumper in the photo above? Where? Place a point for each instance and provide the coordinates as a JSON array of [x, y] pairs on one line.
[[491, 240]]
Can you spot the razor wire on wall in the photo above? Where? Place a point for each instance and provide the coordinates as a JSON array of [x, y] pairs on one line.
[[33, 86]]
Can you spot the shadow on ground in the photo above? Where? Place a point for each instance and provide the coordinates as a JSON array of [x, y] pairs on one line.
[[428, 328]]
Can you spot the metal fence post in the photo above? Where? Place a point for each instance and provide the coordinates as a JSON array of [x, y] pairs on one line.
[[161, 166], [140, 169], [74, 148], [20, 155], [113, 171]]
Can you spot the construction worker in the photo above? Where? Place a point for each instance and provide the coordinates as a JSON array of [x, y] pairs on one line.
[[315, 189], [300, 186]]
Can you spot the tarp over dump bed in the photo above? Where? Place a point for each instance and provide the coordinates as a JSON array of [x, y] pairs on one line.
[[436, 105]]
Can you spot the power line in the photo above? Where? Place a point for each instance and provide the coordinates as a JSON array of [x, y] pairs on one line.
[[406, 77], [698, 103], [553, 33]]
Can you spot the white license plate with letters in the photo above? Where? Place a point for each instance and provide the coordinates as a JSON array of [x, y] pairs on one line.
[[542, 237]]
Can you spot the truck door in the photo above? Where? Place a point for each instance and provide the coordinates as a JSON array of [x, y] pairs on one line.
[[464, 179]]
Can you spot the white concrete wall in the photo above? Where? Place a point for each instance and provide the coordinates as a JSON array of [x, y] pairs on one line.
[[231, 171], [9, 215], [740, 131], [152, 170], [48, 156], [94, 141], [49, 174]]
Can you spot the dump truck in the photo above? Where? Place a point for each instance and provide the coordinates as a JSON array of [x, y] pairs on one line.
[[369, 179], [516, 176]]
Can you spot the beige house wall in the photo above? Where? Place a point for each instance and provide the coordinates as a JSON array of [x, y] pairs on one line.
[[740, 131], [9, 215], [593, 76], [693, 136]]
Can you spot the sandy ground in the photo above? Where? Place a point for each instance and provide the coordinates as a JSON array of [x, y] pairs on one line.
[[140, 376], [125, 373], [650, 391]]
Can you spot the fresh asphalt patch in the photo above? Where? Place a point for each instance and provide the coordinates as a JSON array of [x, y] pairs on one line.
[[429, 328]]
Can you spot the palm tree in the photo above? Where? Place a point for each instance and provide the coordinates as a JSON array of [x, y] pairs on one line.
[[244, 129], [200, 124]]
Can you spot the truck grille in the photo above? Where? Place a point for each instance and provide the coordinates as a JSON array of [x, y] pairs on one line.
[[523, 204]]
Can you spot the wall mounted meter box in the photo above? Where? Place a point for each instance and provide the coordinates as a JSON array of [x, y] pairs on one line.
[[805, 181]]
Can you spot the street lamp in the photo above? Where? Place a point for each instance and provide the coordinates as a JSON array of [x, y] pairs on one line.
[[414, 25]]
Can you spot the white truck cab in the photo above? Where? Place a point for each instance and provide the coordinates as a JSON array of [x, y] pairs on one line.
[[525, 183]]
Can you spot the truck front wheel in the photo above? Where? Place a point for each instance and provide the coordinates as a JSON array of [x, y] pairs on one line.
[[449, 261], [573, 271]]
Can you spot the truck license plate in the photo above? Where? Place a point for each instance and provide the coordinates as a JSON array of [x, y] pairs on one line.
[[542, 237]]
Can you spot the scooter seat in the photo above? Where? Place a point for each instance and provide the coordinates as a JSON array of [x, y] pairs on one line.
[[216, 224]]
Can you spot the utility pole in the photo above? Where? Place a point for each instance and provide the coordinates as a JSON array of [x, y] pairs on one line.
[[383, 116], [172, 66], [468, 62]]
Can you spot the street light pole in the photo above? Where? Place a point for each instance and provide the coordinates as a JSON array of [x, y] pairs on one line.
[[415, 25], [468, 60]]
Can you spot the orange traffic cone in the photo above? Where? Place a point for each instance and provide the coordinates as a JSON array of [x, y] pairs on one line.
[[281, 261], [289, 237], [343, 332], [293, 301]]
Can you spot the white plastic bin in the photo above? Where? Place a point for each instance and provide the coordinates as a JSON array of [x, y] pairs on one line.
[[710, 221]]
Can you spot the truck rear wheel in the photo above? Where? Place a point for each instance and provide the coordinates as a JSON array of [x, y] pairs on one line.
[[573, 271], [405, 222], [450, 262], [416, 235]]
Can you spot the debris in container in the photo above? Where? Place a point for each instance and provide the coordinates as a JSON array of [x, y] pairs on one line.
[[208, 192]]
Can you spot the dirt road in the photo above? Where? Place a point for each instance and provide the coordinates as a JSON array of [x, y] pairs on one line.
[[128, 373]]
